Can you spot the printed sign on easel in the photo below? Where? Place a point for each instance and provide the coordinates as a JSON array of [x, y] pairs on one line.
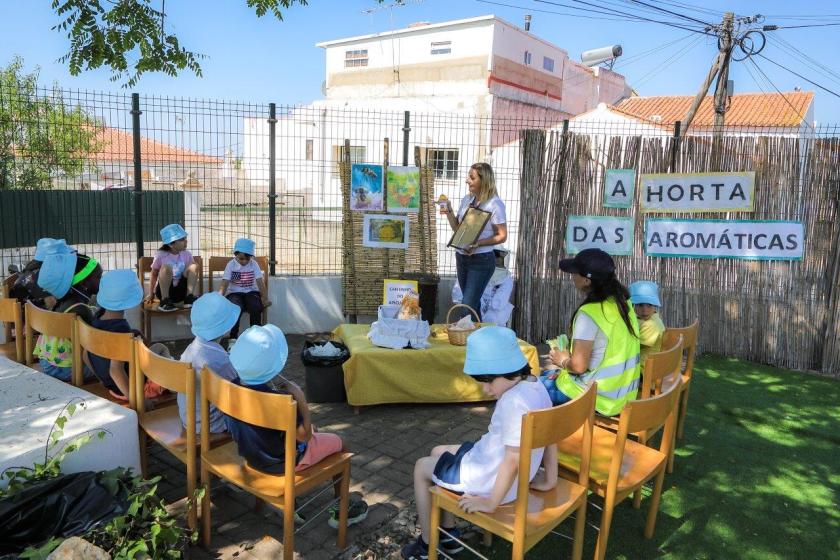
[[394, 290]]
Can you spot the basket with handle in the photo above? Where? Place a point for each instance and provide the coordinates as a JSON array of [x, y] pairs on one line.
[[459, 337]]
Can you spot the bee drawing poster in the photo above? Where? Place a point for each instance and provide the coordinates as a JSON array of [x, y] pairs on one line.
[[384, 231], [403, 189], [366, 192]]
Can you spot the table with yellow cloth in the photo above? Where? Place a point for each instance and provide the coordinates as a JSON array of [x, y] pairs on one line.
[[375, 375]]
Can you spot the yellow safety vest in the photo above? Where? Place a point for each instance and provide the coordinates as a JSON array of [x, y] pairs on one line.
[[618, 373]]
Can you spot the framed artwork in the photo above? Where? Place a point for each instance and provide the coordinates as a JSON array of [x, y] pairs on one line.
[[403, 189], [366, 192], [470, 228], [383, 231]]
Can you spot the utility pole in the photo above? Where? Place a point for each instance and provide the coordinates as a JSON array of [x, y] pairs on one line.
[[720, 67]]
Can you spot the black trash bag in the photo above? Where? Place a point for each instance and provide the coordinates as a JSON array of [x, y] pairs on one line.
[[65, 506], [324, 361]]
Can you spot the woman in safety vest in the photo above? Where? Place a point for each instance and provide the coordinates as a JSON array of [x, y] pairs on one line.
[[605, 338]]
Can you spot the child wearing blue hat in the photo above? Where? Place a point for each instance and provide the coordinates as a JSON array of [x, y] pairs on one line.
[[212, 317], [25, 287], [243, 283], [644, 295], [70, 281], [119, 291], [485, 472], [174, 271]]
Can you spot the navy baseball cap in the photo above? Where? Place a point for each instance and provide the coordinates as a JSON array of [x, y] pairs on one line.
[[589, 263]]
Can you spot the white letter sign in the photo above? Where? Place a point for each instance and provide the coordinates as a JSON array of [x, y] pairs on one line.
[[697, 192], [612, 235], [734, 239]]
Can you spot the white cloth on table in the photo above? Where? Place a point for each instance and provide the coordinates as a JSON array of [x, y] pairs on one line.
[[399, 333], [495, 301]]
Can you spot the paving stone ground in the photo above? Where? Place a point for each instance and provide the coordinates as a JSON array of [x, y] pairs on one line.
[[386, 440]]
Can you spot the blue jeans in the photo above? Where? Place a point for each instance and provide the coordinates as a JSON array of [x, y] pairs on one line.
[[62, 373], [474, 272], [557, 396]]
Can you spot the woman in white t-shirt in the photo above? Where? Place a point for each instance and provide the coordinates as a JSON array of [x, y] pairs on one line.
[[476, 265], [243, 283]]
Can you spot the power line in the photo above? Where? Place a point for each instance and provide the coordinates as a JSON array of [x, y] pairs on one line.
[[531, 9], [805, 59], [766, 77], [775, 27], [666, 11], [668, 62], [613, 12], [684, 5], [835, 94]]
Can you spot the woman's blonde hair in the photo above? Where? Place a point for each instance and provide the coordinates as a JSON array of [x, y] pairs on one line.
[[487, 179]]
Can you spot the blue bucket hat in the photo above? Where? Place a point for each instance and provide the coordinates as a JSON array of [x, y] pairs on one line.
[[259, 354], [244, 245], [48, 246], [119, 290], [644, 291], [56, 274], [213, 315], [493, 351], [172, 232]]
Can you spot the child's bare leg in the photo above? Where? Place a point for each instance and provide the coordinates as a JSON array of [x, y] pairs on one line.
[[119, 376], [165, 281], [192, 277], [423, 470]]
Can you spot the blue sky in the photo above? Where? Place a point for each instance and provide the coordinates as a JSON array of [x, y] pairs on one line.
[[260, 60]]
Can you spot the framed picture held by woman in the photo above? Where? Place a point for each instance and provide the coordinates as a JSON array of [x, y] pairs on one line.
[[469, 229]]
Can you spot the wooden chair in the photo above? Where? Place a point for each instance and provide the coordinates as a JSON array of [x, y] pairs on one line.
[[619, 465], [149, 310], [163, 425], [49, 323], [110, 345], [277, 412], [218, 264], [689, 335], [534, 514], [12, 317], [6, 285]]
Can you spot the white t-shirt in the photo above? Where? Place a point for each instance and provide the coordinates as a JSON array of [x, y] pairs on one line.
[[498, 216], [480, 465], [242, 279], [586, 329]]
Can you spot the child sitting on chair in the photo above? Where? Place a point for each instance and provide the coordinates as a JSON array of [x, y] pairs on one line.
[[258, 357], [119, 291], [485, 472], [644, 295], [174, 271], [243, 284], [212, 316]]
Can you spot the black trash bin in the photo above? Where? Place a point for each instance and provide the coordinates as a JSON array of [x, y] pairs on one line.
[[324, 375], [428, 287]]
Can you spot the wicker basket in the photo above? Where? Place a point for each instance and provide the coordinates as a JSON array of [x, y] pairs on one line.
[[459, 337]]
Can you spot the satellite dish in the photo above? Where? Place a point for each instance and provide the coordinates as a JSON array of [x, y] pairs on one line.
[[595, 57], [324, 88]]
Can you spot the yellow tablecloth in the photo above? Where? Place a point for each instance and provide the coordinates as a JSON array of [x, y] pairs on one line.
[[375, 375]]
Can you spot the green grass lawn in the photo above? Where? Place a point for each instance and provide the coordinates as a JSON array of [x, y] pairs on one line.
[[757, 475]]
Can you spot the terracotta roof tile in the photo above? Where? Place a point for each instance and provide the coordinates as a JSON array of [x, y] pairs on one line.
[[746, 109], [116, 145]]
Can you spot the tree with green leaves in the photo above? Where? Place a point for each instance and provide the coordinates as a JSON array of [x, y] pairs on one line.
[[110, 32], [41, 135]]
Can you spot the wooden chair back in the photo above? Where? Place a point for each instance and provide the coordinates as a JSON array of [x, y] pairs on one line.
[[7, 284], [661, 365], [218, 264], [109, 345], [649, 415], [689, 335], [177, 376], [11, 316], [49, 323]]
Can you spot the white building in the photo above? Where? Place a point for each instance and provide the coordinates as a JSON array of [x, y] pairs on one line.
[[469, 85]]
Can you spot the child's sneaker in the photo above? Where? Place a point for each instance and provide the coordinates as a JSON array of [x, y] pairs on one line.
[[166, 305], [356, 513], [415, 550], [448, 543], [189, 299]]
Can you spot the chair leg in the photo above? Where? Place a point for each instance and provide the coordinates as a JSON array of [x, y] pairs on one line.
[[434, 527], [580, 526], [191, 513], [343, 507], [288, 529], [637, 498], [683, 408], [205, 507], [518, 550], [486, 538], [604, 531], [654, 504], [143, 450], [670, 466]]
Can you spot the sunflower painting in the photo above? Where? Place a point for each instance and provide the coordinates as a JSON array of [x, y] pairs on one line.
[[403, 188], [385, 232]]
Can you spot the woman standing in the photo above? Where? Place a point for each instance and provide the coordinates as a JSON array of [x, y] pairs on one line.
[[476, 265], [605, 338]]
